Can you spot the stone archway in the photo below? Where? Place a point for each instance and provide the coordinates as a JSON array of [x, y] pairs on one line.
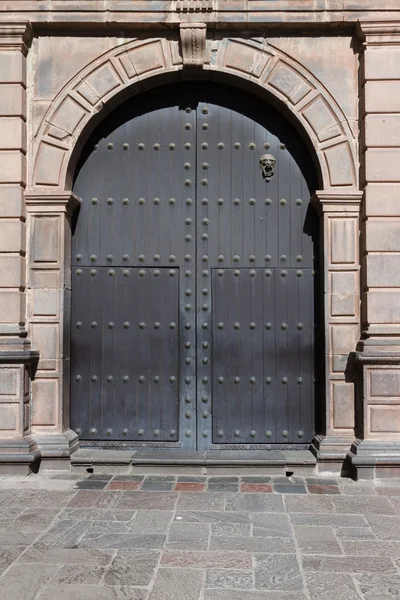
[[99, 84], [73, 115]]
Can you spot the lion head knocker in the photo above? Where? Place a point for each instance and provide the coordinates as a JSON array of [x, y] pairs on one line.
[[267, 165]]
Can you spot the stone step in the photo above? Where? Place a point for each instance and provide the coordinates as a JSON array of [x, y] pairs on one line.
[[167, 461]]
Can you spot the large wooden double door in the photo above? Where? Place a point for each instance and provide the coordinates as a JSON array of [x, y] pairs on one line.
[[193, 275]]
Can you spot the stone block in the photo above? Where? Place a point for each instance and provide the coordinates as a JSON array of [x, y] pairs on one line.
[[382, 235], [382, 63], [12, 306], [10, 384], [382, 97], [12, 67], [344, 296], [384, 382], [247, 59], [45, 337], [9, 419], [11, 202], [44, 302], [383, 419], [382, 131], [145, 57], [45, 402], [343, 404], [344, 338], [49, 162], [383, 270], [12, 100], [12, 235], [45, 240], [383, 306], [12, 167], [13, 133], [12, 271], [340, 165], [343, 236], [382, 200], [382, 165], [322, 119]]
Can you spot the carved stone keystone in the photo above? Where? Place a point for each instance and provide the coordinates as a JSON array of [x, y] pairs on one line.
[[193, 43]]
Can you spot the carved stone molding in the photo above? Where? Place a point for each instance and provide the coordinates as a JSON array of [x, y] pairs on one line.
[[249, 61], [15, 36], [194, 6], [193, 43], [379, 33]]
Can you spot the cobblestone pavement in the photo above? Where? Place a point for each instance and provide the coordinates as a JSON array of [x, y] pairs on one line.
[[153, 537]]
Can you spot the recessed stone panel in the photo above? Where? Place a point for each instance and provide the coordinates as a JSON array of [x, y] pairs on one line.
[[321, 119], [384, 419], [10, 384], [45, 246], [246, 58], [45, 302], [340, 165], [289, 83], [343, 240], [344, 338], [44, 401], [344, 295], [142, 59], [48, 164], [9, 414], [45, 338], [67, 118], [343, 405], [101, 82], [384, 382]]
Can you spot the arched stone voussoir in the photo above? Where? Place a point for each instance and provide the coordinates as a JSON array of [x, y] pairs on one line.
[[110, 78]]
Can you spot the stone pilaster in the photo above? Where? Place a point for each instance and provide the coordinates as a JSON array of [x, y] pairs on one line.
[[49, 293], [17, 449], [339, 234], [377, 453]]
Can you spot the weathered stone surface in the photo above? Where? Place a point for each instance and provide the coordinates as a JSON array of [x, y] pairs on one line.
[[374, 586], [278, 572], [317, 540], [254, 503], [228, 578], [182, 585], [25, 581], [346, 564], [322, 585], [151, 521], [132, 568], [208, 560], [254, 544], [188, 536], [91, 592]]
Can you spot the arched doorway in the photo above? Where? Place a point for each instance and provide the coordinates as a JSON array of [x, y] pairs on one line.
[[193, 288]]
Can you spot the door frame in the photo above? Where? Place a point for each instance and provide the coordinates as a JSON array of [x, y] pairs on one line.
[[50, 205]]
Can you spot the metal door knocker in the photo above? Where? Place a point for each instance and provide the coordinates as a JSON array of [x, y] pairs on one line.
[[267, 166]]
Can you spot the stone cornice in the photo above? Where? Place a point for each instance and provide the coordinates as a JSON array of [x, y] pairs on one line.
[[15, 36], [47, 201], [379, 33], [337, 201]]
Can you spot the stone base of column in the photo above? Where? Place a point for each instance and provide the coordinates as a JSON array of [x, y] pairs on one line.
[[332, 453], [56, 449], [376, 453], [372, 459], [19, 456]]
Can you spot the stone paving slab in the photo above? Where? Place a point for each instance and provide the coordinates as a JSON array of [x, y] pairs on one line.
[[146, 537]]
